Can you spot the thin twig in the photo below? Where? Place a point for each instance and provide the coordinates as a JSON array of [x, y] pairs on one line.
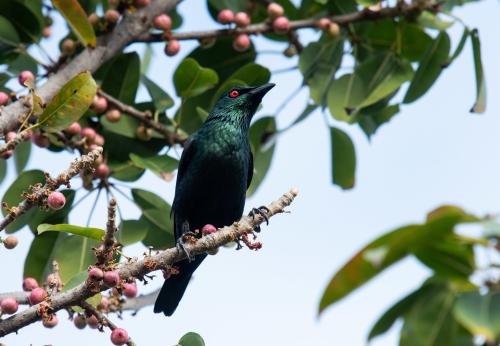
[[13, 143]]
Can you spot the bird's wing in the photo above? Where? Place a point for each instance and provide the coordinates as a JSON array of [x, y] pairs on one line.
[[250, 170]]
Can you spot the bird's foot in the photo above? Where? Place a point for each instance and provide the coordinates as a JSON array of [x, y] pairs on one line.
[[188, 237], [262, 211]]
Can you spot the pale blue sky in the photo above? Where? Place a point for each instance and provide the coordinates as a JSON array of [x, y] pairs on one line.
[[434, 152]]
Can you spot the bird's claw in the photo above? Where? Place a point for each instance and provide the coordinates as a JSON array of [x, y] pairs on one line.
[[262, 211], [181, 247]]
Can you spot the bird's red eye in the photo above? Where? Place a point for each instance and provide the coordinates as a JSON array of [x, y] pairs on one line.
[[234, 93]]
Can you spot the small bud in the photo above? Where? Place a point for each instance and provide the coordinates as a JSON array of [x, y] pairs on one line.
[[7, 154], [225, 16], [172, 47], [37, 295], [92, 322], [111, 16], [73, 129], [4, 98], [163, 22], [53, 280], [143, 133], [207, 42], [333, 30], [24, 76], [208, 229], [324, 23], [93, 19], [241, 43], [56, 200], [119, 336], [29, 284], [242, 19], [290, 51], [102, 171], [142, 3], [50, 323], [111, 278], [129, 290], [9, 136], [79, 322], [9, 305], [99, 104], [40, 139], [47, 31], [68, 46], [281, 25], [10, 242], [275, 10], [113, 115], [96, 274], [88, 133]]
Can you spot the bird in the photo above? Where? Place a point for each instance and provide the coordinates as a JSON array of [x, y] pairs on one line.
[[215, 170]]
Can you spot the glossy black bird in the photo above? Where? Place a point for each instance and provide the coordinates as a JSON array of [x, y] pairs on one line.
[[215, 170]]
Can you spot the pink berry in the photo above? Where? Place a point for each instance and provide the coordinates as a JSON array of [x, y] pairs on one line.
[[281, 25], [29, 134], [9, 305], [241, 43], [56, 200], [79, 322], [10, 242], [10, 136], [119, 336], [111, 16], [93, 19], [163, 22], [225, 16], [242, 19], [172, 47], [96, 274], [92, 322], [129, 290], [99, 104], [37, 295], [99, 140], [24, 76], [40, 139], [7, 154], [275, 10], [4, 98], [73, 129], [208, 229], [88, 133], [333, 30], [324, 23], [68, 46], [111, 278], [29, 284], [102, 171], [142, 3], [113, 115], [50, 323], [104, 304]]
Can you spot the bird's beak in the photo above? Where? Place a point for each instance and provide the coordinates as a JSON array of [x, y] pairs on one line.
[[260, 91]]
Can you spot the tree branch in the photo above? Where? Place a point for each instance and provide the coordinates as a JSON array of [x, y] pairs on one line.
[[139, 268], [12, 144], [90, 59]]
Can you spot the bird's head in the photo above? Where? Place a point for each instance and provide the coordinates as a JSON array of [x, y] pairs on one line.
[[240, 104]]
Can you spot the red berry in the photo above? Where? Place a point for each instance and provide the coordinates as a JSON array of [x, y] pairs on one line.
[[225, 16], [241, 43], [4, 98], [324, 23], [37, 295], [163, 22], [96, 274], [56, 200], [99, 104], [88, 133], [10, 242], [129, 290], [102, 171], [80, 322], [50, 323], [281, 25], [275, 10], [208, 229], [29, 284], [172, 47], [40, 139], [25, 75], [142, 3], [92, 322], [111, 16], [9, 305], [111, 278], [93, 19], [73, 129], [119, 336], [241, 19], [10, 136], [7, 154], [113, 115]]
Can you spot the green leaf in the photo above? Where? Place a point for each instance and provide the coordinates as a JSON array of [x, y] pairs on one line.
[[70, 103], [432, 21], [371, 119], [77, 20], [479, 313], [3, 170], [160, 229], [125, 171], [89, 232], [9, 38], [259, 135], [161, 99], [122, 77], [28, 24], [344, 95], [148, 200], [132, 231], [22, 156], [191, 339], [38, 261], [430, 68], [13, 196], [76, 280], [414, 41], [190, 79], [343, 159], [161, 165], [480, 104], [460, 46]]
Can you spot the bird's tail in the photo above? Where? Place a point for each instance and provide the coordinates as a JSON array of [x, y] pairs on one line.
[[174, 287]]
